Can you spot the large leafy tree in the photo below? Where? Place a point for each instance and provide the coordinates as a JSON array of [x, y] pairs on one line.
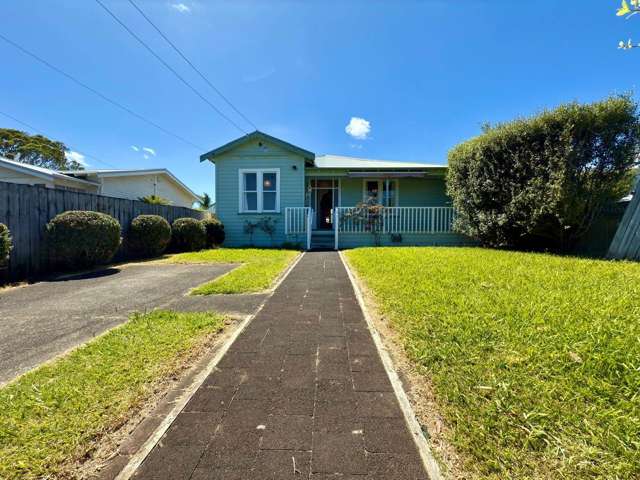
[[540, 182], [35, 150]]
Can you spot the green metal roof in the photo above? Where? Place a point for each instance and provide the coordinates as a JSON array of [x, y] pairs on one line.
[[257, 135]]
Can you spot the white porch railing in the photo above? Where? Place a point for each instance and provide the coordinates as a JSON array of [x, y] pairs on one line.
[[397, 220], [298, 221]]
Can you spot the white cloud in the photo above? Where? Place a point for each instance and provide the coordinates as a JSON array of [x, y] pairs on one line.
[[358, 128], [149, 150], [181, 7], [134, 148], [356, 146], [75, 157]]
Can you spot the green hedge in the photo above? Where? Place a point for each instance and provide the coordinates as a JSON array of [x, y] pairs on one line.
[[188, 235], [149, 235], [215, 231], [540, 182], [81, 239], [5, 244]]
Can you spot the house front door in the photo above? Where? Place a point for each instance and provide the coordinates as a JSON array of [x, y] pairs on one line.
[[324, 209]]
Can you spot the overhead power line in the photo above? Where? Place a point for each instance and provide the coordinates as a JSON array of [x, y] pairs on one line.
[[195, 69], [98, 93], [40, 132], [170, 68]]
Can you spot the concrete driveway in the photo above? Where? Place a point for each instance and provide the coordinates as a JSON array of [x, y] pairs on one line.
[[45, 319]]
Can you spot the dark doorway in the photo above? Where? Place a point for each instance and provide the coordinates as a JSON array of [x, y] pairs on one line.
[[324, 220]]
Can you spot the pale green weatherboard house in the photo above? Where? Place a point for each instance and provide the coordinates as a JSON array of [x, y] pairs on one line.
[[309, 199]]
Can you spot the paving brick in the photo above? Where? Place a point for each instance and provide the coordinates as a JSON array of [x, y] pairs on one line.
[[377, 404], [287, 432], [258, 388], [232, 450], [335, 390], [212, 473], [191, 429], [338, 453], [228, 377], [172, 462], [387, 435], [294, 401], [371, 382], [393, 466], [210, 399], [282, 465]]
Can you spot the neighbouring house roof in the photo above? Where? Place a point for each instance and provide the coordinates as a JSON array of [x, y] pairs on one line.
[[132, 173], [257, 135], [338, 161], [42, 173]]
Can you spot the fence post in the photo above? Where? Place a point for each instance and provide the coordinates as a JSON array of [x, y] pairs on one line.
[[336, 227]]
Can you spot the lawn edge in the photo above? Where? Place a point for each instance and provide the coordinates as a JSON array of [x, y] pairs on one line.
[[426, 454], [136, 460]]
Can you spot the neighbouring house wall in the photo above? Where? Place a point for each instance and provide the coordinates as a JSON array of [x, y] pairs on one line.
[[136, 186], [251, 155], [11, 176]]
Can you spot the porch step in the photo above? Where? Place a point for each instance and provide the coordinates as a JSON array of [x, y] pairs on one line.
[[322, 242]]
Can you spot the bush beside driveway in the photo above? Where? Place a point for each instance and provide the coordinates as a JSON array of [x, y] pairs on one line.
[[533, 358]]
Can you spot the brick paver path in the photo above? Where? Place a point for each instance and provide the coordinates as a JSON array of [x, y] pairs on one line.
[[301, 394]]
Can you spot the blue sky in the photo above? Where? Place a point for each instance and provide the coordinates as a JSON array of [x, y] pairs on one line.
[[424, 74]]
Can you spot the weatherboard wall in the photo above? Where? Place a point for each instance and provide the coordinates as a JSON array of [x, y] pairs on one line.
[[253, 156]]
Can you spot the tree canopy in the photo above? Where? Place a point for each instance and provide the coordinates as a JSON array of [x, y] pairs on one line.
[[35, 150]]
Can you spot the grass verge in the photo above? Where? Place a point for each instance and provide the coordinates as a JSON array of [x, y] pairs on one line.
[[534, 359], [259, 269], [53, 416]]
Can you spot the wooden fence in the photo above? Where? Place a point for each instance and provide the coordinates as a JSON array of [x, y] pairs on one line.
[[626, 242], [26, 210]]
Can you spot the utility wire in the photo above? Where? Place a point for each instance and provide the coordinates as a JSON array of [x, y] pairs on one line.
[[40, 132], [195, 69], [169, 67], [97, 93]]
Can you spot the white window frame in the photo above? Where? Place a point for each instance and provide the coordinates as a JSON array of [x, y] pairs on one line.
[[381, 182], [259, 190]]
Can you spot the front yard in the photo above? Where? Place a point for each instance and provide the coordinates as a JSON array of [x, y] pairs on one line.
[[54, 415], [258, 270], [534, 359]]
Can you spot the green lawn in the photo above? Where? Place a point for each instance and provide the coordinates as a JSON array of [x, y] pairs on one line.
[[54, 414], [534, 359], [259, 269]]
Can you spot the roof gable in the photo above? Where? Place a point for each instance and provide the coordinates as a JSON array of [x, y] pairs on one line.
[[257, 135]]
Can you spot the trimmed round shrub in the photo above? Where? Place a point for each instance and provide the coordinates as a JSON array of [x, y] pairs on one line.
[[215, 231], [5, 244], [188, 235], [81, 239], [149, 235]]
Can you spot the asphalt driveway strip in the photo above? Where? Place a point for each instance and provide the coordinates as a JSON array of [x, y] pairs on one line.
[[40, 321]]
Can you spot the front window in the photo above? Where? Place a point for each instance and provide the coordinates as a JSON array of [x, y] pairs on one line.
[[259, 190], [381, 192]]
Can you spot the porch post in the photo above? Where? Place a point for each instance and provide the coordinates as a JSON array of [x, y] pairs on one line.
[[336, 227]]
